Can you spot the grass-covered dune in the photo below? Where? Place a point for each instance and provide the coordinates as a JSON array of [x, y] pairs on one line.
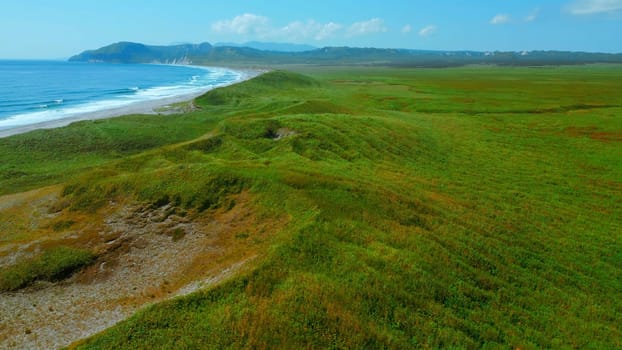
[[473, 207]]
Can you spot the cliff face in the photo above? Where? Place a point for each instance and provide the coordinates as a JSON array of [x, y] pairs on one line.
[[127, 52]]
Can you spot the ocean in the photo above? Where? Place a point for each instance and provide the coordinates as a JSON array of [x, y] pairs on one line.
[[39, 91]]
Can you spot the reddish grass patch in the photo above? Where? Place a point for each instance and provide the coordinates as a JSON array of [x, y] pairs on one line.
[[593, 133], [607, 136]]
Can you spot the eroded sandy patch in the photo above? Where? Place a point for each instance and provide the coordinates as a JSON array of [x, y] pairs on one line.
[[145, 255]]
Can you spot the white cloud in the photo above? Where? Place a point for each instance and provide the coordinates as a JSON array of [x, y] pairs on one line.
[[374, 25], [307, 30], [256, 26], [533, 15], [407, 29], [252, 26], [592, 7], [327, 30], [427, 31], [247, 23], [500, 19]]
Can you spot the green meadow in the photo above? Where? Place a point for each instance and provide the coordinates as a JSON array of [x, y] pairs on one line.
[[473, 207]]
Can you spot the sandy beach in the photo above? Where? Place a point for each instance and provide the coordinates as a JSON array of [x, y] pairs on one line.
[[142, 107]]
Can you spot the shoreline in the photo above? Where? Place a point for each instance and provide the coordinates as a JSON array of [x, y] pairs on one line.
[[140, 107]]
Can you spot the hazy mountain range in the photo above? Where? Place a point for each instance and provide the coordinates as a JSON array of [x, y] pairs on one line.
[[279, 54], [281, 47]]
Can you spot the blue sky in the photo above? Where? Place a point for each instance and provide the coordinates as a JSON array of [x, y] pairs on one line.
[[58, 29]]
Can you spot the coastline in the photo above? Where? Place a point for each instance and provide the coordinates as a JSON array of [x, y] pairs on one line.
[[141, 107]]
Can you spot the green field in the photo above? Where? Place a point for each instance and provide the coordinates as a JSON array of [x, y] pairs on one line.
[[474, 207]]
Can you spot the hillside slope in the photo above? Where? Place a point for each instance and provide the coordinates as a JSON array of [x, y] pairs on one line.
[[471, 207], [128, 52]]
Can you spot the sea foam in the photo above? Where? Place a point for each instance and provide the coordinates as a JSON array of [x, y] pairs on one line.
[[89, 100]]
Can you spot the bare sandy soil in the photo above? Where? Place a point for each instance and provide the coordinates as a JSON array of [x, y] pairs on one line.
[[145, 254]]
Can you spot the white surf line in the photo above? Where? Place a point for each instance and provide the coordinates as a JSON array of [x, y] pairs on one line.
[[134, 107]]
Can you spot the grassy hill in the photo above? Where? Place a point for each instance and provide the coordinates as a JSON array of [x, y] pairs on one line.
[[465, 207], [128, 52]]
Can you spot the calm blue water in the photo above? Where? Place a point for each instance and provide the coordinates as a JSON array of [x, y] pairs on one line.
[[38, 91]]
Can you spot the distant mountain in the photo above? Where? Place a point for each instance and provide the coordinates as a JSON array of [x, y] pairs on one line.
[[126, 52], [279, 47]]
